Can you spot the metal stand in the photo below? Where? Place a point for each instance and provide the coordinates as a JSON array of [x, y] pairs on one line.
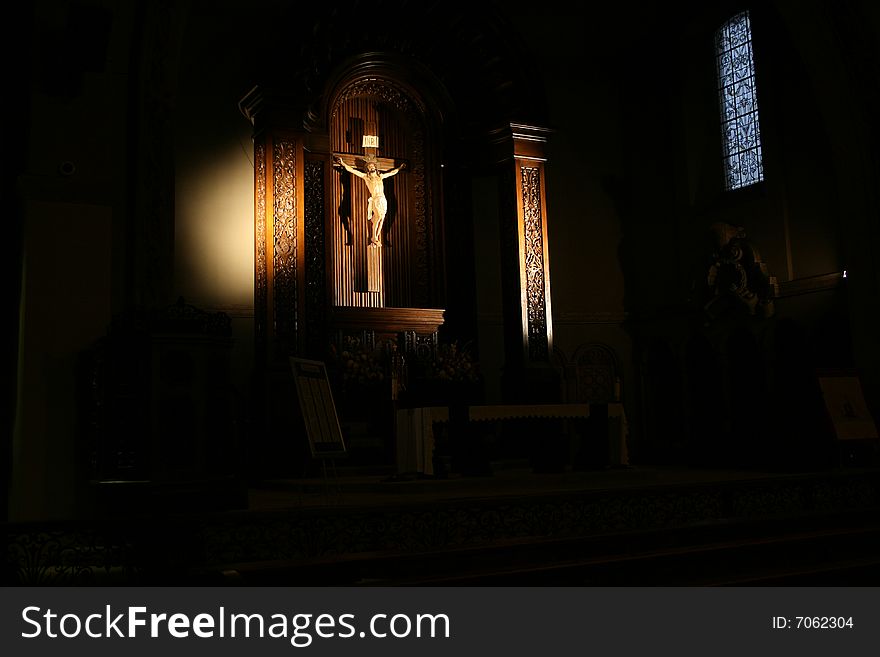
[[331, 489]]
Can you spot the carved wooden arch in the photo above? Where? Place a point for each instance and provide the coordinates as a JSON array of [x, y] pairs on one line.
[[401, 81], [412, 268], [474, 49]]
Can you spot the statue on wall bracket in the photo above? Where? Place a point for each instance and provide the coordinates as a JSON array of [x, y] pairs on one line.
[[737, 277], [377, 204]]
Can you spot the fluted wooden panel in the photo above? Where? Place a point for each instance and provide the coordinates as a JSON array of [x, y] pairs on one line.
[[350, 230]]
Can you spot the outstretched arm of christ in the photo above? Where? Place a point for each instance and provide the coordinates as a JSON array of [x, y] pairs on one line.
[[339, 161], [393, 172]]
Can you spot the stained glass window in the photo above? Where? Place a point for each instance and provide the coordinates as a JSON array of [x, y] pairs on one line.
[[740, 130]]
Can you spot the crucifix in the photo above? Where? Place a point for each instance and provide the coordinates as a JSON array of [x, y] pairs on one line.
[[377, 203]]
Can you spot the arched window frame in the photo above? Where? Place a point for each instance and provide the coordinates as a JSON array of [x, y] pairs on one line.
[[742, 154]]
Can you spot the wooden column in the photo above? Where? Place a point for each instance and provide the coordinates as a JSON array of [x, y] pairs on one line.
[[525, 259], [279, 242], [291, 181]]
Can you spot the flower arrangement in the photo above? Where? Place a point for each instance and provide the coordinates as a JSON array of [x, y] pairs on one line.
[[452, 363], [358, 364]]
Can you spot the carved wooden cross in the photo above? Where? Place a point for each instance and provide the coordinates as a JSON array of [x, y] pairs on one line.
[[368, 262], [370, 144]]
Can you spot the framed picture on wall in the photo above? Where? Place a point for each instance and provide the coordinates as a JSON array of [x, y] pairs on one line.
[[846, 405]]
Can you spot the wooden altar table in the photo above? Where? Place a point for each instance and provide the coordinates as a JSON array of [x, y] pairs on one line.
[[415, 429]]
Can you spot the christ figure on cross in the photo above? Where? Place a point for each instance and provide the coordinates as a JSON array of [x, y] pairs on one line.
[[377, 205]]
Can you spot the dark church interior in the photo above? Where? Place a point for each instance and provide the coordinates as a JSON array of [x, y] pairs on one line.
[[442, 294]]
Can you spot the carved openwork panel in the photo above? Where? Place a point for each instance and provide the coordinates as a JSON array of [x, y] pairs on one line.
[[364, 337], [261, 279], [420, 346], [285, 242], [381, 90], [424, 228], [315, 290], [534, 263]]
